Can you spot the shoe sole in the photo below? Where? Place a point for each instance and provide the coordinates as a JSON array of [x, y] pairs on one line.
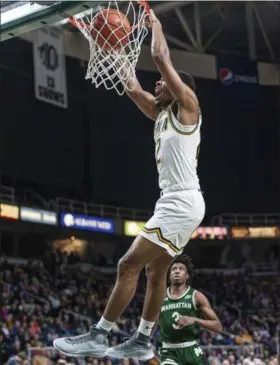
[[148, 356], [86, 353]]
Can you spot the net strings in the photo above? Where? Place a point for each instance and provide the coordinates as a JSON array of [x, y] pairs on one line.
[[114, 67]]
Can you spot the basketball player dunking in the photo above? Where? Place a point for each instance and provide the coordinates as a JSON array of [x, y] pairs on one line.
[[178, 212]]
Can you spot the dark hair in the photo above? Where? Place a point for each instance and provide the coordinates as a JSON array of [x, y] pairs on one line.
[[185, 260], [187, 79]]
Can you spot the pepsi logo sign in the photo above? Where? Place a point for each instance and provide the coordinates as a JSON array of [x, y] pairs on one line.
[[227, 77]]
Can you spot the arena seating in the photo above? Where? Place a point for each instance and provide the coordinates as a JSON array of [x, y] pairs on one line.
[[39, 305]]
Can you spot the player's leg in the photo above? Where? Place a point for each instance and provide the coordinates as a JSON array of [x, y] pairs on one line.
[[171, 234], [95, 342], [139, 345], [167, 233], [137, 257], [156, 272]]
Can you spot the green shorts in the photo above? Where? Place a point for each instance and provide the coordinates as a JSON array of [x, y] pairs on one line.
[[192, 355]]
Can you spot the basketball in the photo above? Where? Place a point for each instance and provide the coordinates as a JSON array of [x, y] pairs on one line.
[[111, 29]]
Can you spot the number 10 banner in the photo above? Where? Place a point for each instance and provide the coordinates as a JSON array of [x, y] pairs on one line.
[[49, 66]]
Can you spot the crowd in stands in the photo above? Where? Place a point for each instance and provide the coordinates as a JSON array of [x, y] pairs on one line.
[[39, 305]]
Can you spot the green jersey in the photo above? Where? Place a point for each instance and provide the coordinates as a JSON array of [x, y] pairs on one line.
[[171, 311]]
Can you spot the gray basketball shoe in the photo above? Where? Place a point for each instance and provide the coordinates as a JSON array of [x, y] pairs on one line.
[[138, 346], [94, 343]]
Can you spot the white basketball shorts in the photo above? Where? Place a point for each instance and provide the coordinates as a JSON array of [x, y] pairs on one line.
[[176, 216]]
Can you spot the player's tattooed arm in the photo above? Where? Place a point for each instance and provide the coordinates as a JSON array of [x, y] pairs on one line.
[[161, 57], [210, 319]]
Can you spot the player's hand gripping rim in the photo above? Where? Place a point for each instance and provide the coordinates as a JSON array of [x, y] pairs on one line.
[[151, 19]]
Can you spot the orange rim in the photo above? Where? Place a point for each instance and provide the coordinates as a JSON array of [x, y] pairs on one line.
[[75, 21], [145, 4]]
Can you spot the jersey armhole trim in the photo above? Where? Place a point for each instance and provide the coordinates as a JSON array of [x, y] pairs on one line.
[[193, 299], [183, 129]]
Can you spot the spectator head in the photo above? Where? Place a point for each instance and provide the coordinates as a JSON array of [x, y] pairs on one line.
[[181, 270]]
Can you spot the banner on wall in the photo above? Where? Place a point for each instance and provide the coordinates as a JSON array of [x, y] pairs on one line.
[[38, 216], [210, 233], [236, 70], [9, 211], [49, 66], [255, 232], [84, 222]]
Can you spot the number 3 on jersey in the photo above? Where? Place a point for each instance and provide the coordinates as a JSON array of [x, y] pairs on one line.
[[176, 317], [158, 158]]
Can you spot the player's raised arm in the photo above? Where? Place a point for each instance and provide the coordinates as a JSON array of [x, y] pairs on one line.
[[161, 57], [145, 101], [210, 319]]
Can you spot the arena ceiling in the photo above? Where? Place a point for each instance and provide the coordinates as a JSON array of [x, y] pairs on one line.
[[243, 28], [234, 27]]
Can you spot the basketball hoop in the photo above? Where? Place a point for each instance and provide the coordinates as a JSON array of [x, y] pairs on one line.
[[113, 63]]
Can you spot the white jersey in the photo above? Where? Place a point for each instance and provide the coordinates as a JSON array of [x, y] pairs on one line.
[[177, 148]]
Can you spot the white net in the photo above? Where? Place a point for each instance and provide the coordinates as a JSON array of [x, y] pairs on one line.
[[114, 47]]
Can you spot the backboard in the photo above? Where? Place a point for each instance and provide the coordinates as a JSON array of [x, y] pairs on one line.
[[18, 17]]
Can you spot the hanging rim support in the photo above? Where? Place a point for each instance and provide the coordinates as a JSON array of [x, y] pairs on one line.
[[251, 30], [170, 5], [186, 27], [212, 38], [179, 43], [262, 28], [197, 22]]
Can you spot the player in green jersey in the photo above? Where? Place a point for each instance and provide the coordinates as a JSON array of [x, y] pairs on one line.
[[183, 312]]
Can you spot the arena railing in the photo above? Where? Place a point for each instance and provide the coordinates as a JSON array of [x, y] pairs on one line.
[[233, 307], [32, 197], [262, 268], [241, 350], [246, 219], [108, 211], [39, 299], [7, 194], [88, 319], [260, 321], [19, 261]]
